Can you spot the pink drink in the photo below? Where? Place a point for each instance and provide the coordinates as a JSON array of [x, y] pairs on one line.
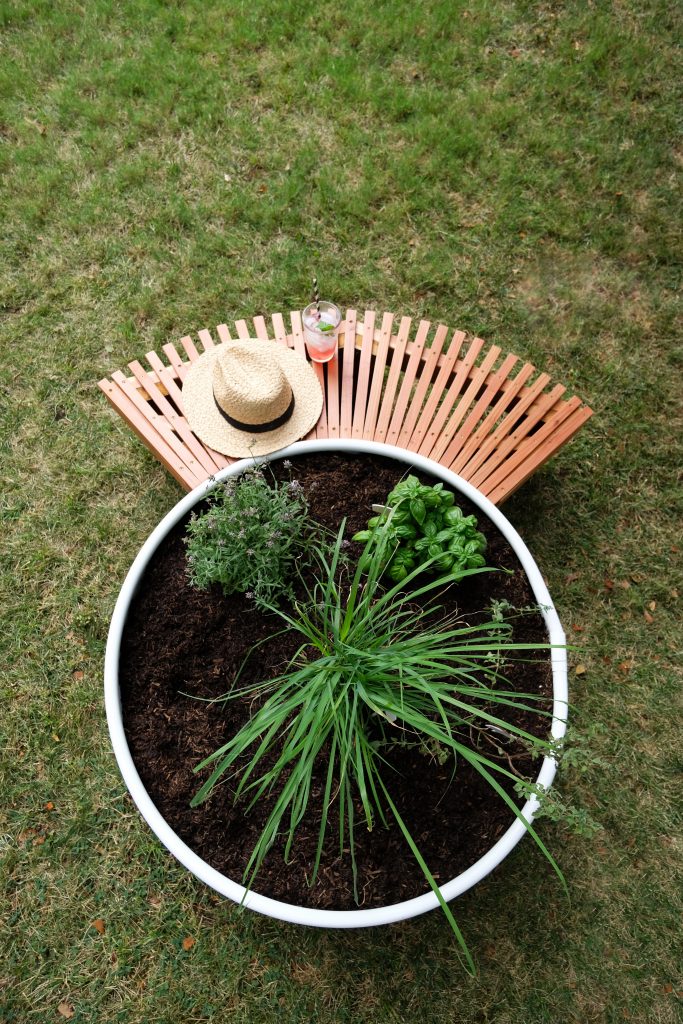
[[320, 330]]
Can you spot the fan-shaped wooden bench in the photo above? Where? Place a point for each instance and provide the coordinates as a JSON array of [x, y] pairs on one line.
[[437, 392]]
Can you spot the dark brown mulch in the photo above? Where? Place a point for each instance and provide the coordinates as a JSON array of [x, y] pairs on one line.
[[179, 641]]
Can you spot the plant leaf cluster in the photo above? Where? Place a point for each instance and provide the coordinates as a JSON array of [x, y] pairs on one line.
[[426, 529], [251, 537], [374, 667]]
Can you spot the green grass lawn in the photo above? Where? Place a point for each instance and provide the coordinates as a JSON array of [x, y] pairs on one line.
[[512, 169]]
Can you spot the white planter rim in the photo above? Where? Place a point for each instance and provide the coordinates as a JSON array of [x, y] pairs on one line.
[[227, 886]]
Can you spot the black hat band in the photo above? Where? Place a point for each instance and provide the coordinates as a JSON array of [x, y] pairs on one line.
[[257, 428]]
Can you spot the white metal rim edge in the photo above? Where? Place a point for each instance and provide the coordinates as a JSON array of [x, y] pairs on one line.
[[226, 886]]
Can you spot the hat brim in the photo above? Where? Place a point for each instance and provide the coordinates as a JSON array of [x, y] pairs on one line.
[[214, 430]]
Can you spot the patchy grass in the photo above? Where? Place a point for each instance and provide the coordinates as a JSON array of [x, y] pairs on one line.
[[506, 168]]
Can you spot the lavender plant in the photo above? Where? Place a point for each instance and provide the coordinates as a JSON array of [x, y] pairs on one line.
[[251, 537]]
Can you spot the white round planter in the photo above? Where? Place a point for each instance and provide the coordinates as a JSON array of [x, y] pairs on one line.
[[227, 886]]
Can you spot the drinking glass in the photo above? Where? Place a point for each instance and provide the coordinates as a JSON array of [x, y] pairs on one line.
[[321, 325]]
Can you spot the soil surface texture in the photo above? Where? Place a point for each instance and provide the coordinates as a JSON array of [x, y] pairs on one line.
[[180, 644]]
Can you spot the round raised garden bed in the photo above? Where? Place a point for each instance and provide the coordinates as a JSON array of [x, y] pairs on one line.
[[169, 643]]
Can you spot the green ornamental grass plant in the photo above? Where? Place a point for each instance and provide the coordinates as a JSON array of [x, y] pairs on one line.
[[375, 667]]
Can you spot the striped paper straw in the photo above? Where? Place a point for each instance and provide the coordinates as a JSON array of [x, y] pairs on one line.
[[316, 296]]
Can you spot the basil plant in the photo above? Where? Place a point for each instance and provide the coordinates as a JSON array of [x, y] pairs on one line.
[[425, 528]]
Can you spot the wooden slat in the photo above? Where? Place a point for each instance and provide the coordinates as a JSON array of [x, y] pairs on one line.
[[175, 420], [511, 442], [492, 388], [206, 339], [399, 345], [477, 378], [363, 378], [558, 435], [432, 436], [260, 328], [298, 333], [321, 430], [529, 446], [175, 360], [279, 331], [506, 425], [430, 359], [152, 427], [167, 378], [144, 430], [333, 395], [447, 363], [493, 415], [377, 384], [243, 332], [414, 350], [189, 347], [223, 333], [348, 366], [299, 346]]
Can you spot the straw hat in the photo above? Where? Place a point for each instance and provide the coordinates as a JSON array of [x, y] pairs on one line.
[[251, 397]]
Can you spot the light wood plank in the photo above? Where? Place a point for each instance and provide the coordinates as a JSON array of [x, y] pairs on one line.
[[189, 347], [454, 391], [320, 430], [333, 395], [298, 332], [513, 440], [260, 328], [175, 420], [398, 345], [279, 331], [530, 446], [144, 430], [223, 333], [414, 351], [492, 388], [446, 364], [363, 378], [174, 358], [508, 423], [477, 378], [154, 427], [348, 366], [510, 391], [377, 384], [169, 380], [206, 339], [243, 332], [558, 436], [424, 380]]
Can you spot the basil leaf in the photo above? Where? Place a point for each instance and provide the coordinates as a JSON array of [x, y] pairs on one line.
[[418, 510], [476, 561], [453, 515]]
